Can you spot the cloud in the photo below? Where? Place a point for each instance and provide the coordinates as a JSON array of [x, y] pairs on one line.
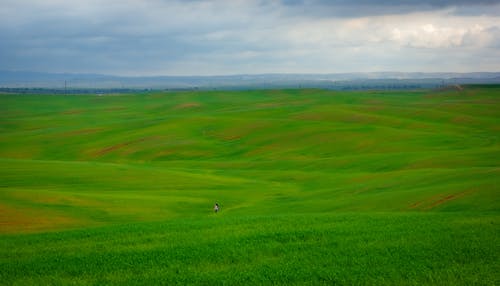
[[362, 8], [222, 37]]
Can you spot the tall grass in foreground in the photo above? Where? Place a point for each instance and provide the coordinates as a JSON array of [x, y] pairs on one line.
[[346, 249]]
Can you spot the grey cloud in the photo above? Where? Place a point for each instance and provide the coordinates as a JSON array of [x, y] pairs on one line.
[[394, 3], [361, 8], [206, 37]]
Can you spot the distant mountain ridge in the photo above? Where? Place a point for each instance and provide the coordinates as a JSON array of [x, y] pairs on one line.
[[29, 79]]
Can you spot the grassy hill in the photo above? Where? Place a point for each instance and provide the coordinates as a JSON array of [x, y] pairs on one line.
[[369, 187]]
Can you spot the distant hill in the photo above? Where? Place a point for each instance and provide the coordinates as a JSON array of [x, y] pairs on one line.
[[336, 81]]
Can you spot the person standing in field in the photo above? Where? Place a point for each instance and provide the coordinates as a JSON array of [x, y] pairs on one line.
[[216, 208]]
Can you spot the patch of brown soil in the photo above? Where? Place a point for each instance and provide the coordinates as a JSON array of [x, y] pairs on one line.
[[438, 200], [419, 126], [15, 220], [231, 137], [268, 105], [187, 105], [54, 199], [115, 147], [72, 111], [373, 105], [446, 199], [164, 153], [316, 116], [415, 205], [111, 109], [461, 119], [109, 149], [238, 132], [82, 132]]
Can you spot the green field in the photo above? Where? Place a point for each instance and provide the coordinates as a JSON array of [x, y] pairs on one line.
[[315, 187]]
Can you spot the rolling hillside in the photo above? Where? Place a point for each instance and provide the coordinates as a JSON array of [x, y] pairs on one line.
[[315, 187], [92, 160]]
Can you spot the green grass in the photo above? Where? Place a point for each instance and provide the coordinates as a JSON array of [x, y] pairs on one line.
[[347, 249], [316, 187]]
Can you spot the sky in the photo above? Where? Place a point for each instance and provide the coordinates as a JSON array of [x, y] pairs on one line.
[[222, 37]]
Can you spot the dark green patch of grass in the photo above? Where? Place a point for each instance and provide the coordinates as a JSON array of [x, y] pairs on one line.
[[347, 249]]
